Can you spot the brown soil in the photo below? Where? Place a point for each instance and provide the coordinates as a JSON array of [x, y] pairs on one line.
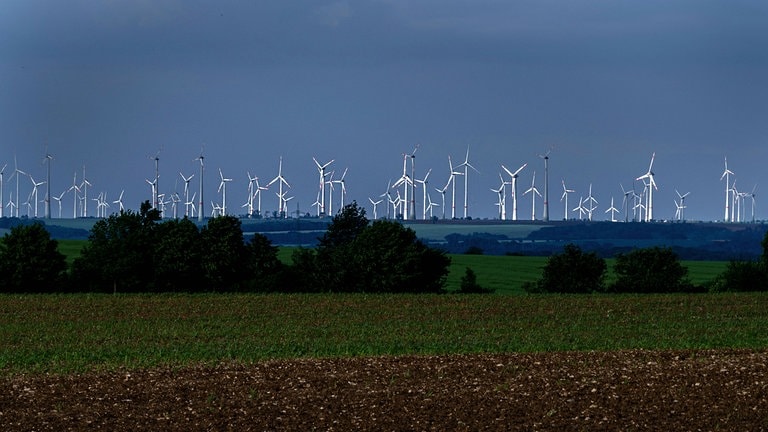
[[628, 390]]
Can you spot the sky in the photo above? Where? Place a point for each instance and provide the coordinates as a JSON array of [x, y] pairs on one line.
[[602, 85]]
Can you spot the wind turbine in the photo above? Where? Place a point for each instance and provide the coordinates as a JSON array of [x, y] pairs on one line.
[[624, 203], [281, 181], [153, 185], [321, 169], [580, 208], [412, 210], [119, 201], [452, 180], [11, 204], [545, 156], [430, 204], [191, 203], [591, 202], [405, 180], [566, 191], [514, 176], [500, 202], [76, 188], [201, 203], [343, 186], [84, 186], [58, 199], [48, 159], [442, 194], [387, 195], [186, 191], [752, 195], [466, 166], [424, 190], [34, 191], [375, 204], [249, 200], [223, 190], [533, 191], [156, 158], [257, 195], [727, 176], [613, 210], [651, 186], [681, 209]]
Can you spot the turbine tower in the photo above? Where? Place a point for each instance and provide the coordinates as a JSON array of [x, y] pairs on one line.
[[280, 195], [533, 191], [1, 190], [321, 169], [514, 176], [48, 158], [412, 210], [681, 208], [156, 158], [566, 191], [651, 186], [545, 156], [466, 165], [727, 176], [201, 203]]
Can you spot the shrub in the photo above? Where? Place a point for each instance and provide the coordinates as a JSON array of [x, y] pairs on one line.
[[741, 276], [469, 284], [30, 261], [572, 271], [650, 270]]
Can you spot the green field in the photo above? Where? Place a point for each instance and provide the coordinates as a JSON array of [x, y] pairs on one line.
[[504, 274], [65, 333]]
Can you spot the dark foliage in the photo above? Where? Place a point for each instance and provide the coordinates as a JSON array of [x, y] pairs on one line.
[[30, 261], [264, 269], [223, 260], [650, 270], [177, 256], [354, 256], [469, 284], [119, 255], [572, 271], [741, 276]]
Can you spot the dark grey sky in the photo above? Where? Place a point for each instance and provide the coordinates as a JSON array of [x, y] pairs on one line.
[[106, 84]]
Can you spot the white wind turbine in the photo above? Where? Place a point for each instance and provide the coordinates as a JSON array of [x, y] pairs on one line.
[[223, 190], [257, 195], [321, 168], [533, 191], [343, 187], [249, 200], [387, 195], [566, 191], [466, 166], [84, 187], [613, 210], [651, 186], [625, 203], [424, 193], [11, 204], [201, 203], [681, 209], [580, 208], [189, 206], [375, 204], [405, 181], [727, 176], [186, 192], [430, 205], [76, 188], [34, 191], [281, 181], [58, 200], [752, 196], [500, 202], [412, 210], [545, 156], [47, 160], [119, 201], [153, 186], [591, 202], [442, 194], [452, 180], [514, 176]]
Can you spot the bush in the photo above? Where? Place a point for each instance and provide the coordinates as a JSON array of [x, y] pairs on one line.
[[30, 261], [572, 271], [741, 276], [469, 284], [650, 270]]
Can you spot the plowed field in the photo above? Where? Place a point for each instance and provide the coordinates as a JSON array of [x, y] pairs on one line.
[[622, 390]]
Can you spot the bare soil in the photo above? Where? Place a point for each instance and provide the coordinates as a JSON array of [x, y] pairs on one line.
[[626, 390]]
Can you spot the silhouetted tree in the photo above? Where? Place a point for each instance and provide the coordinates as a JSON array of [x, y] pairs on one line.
[[741, 276], [177, 256], [469, 284], [572, 271], [264, 270], [223, 258], [650, 270], [30, 261]]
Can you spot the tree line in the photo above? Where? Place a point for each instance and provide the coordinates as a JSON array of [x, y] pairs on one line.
[[138, 252]]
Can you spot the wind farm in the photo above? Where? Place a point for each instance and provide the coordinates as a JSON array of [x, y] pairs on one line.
[[492, 195]]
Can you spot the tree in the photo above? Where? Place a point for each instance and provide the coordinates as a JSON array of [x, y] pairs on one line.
[[650, 270], [742, 276], [469, 284], [572, 271], [30, 260], [224, 254], [177, 256], [344, 227], [119, 253], [263, 267]]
